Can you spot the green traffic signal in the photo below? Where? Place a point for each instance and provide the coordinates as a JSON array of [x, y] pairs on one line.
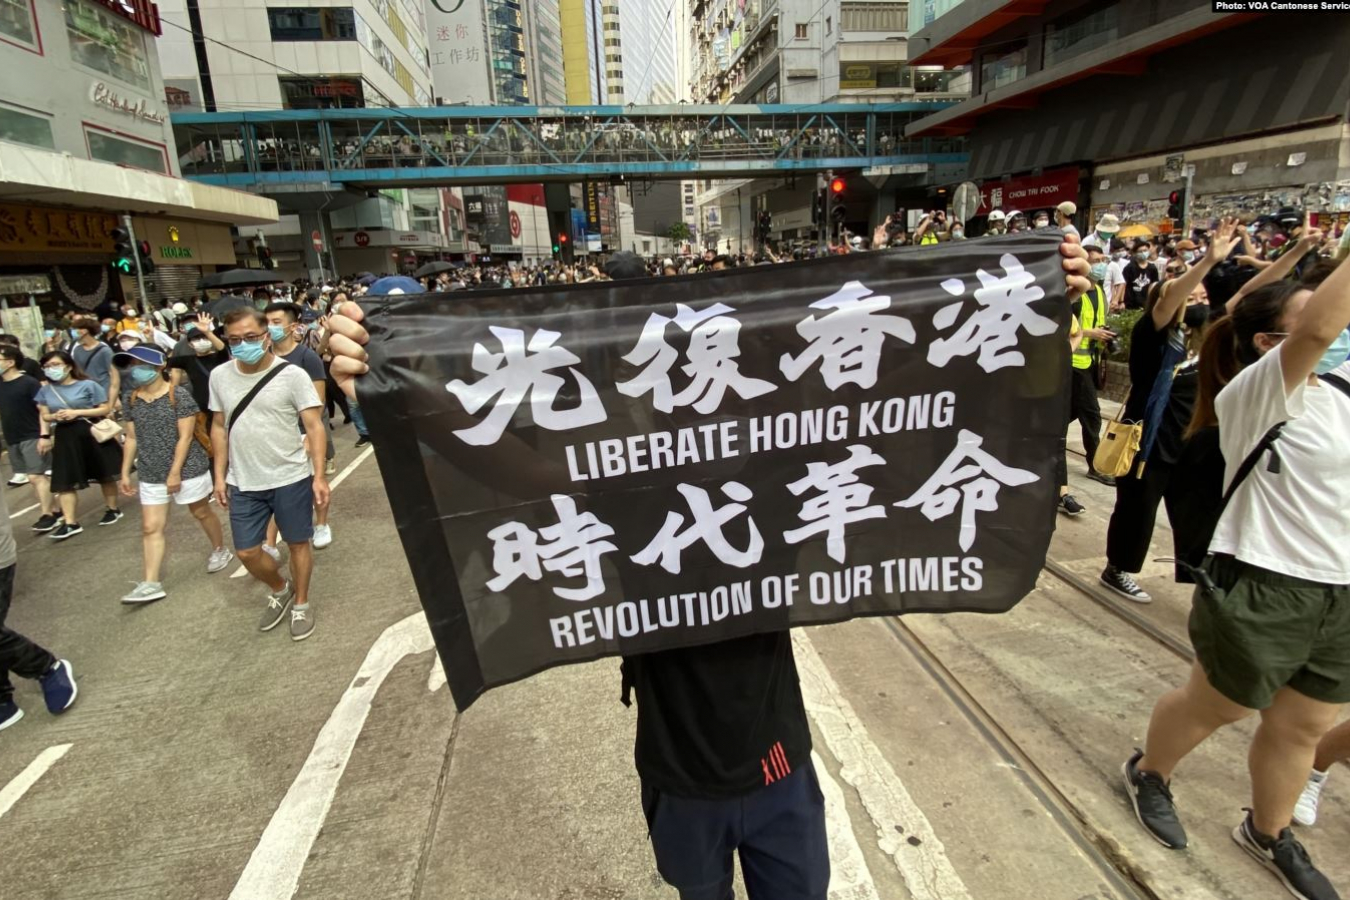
[[123, 265]]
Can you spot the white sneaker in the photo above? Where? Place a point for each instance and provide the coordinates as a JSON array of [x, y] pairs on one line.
[[18, 479], [272, 552], [323, 536], [1305, 811], [218, 560]]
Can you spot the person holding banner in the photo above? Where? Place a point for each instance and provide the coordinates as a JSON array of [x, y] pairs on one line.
[[723, 745]]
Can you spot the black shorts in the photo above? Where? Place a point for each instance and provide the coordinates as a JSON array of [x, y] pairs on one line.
[[78, 459]]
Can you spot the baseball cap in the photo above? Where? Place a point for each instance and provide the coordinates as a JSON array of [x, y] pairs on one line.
[[141, 353], [1068, 208]]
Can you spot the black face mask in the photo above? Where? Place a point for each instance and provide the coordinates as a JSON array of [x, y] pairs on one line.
[[1196, 316]]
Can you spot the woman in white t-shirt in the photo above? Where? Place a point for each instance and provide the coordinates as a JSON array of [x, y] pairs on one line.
[[1271, 629]]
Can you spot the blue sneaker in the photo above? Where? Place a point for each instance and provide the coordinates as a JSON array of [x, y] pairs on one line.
[[9, 714], [58, 686]]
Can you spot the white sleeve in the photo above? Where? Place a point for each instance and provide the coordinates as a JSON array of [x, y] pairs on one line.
[[1251, 404]]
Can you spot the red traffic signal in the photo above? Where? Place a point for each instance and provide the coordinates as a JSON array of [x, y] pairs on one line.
[[1174, 198], [562, 237], [837, 186]]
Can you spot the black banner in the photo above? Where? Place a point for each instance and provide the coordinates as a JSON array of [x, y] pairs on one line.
[[581, 471]]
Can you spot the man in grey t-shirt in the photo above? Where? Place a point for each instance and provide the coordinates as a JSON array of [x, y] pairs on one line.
[[264, 468]]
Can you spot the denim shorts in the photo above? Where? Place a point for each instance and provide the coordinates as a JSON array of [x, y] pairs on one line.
[[292, 504]]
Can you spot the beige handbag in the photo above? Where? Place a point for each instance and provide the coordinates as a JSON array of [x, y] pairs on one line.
[[105, 430], [1115, 454]]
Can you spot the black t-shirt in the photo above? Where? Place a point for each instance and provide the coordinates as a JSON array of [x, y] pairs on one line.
[[18, 410], [721, 720], [1137, 281], [32, 369], [306, 359], [198, 369], [1146, 356], [1176, 416]]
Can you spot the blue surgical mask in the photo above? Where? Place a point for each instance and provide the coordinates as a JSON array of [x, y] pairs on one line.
[[278, 332], [249, 352], [142, 375], [50, 333], [105, 328], [1099, 271], [1336, 354], [958, 234], [55, 373], [75, 334], [1188, 256]]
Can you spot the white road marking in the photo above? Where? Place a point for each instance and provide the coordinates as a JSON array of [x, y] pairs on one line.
[[918, 854], [12, 792], [332, 485], [850, 879], [26, 509], [273, 870], [436, 680]]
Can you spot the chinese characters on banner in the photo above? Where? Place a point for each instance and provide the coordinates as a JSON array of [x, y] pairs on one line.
[[455, 48], [624, 467]]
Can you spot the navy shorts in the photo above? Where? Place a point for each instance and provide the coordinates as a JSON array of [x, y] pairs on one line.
[[292, 504], [778, 831]]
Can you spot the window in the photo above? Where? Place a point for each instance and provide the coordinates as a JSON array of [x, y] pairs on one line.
[[1079, 33], [866, 75], [290, 23], [829, 24], [25, 128], [935, 81], [874, 17], [16, 22], [801, 30], [107, 43], [108, 148], [998, 70]]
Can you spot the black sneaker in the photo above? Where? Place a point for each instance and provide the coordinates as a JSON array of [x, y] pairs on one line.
[[363, 440], [1153, 805], [1070, 507], [47, 523], [66, 530], [111, 517], [1286, 858], [1124, 585], [1107, 480]]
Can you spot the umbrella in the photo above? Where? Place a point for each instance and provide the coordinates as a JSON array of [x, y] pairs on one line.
[[230, 302], [433, 268], [366, 279], [239, 278], [1138, 229]]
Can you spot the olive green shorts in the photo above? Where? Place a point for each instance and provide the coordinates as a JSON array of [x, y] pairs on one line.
[[1263, 631]]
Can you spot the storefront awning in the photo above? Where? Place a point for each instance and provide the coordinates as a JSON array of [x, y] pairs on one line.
[[33, 175]]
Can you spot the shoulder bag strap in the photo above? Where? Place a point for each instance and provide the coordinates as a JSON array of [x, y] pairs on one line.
[[1338, 383], [248, 398], [1267, 442]]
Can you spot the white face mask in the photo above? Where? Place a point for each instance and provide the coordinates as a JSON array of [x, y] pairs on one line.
[[201, 346]]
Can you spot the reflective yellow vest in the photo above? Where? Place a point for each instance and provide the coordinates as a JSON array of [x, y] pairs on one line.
[[928, 238], [1090, 315]]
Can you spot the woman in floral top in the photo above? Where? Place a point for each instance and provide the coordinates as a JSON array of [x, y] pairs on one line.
[[171, 463]]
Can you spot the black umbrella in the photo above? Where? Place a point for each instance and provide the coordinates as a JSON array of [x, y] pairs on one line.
[[239, 278], [230, 302], [433, 268]]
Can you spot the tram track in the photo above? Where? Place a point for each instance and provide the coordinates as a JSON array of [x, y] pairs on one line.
[[1121, 874]]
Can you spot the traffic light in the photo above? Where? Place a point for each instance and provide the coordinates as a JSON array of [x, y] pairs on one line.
[[836, 186], [124, 255], [1176, 204], [838, 214], [765, 225], [818, 208], [145, 257], [264, 254]]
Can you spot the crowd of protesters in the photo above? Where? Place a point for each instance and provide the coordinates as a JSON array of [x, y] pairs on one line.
[[1238, 405]]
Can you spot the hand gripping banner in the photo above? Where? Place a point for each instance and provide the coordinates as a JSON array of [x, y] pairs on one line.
[[615, 468]]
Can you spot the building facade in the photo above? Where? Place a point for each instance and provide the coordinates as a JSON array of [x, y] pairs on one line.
[[84, 125], [1075, 86]]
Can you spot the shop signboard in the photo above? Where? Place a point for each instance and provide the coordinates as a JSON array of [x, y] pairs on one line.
[[38, 229], [1043, 191]]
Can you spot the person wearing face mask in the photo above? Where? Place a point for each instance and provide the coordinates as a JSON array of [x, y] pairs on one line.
[[1107, 228], [1139, 275], [26, 437], [1064, 214], [160, 423], [193, 360], [130, 321], [1041, 220], [1270, 620], [997, 222], [957, 232], [1085, 409], [69, 404], [92, 355], [264, 468], [1157, 347], [283, 320]]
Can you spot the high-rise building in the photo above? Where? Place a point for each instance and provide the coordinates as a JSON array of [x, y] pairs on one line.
[[583, 51], [85, 149], [544, 52]]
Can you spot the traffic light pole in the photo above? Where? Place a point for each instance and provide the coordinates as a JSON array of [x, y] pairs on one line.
[[823, 229], [144, 305]]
